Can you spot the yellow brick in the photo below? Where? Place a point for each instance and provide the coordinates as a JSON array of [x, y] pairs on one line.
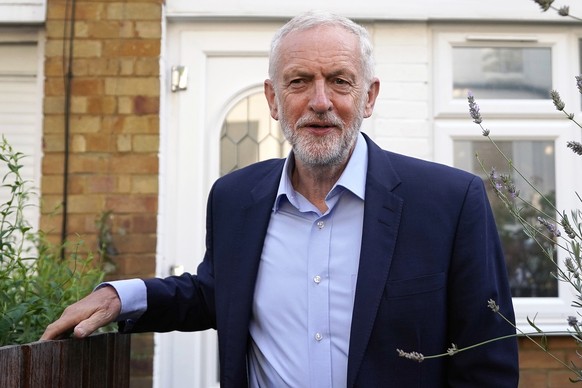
[[50, 203], [55, 29], [102, 66], [102, 105], [53, 124], [81, 29], [79, 143], [146, 143], [54, 143], [54, 86], [125, 105], [87, 49], [144, 184], [127, 29], [85, 124], [149, 29], [78, 104], [52, 184], [147, 66], [124, 143], [85, 203], [135, 124], [127, 65], [132, 48], [132, 86], [54, 104], [54, 48], [53, 67], [124, 183], [90, 11], [139, 11]]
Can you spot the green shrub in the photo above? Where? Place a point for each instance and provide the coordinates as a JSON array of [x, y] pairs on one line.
[[36, 283]]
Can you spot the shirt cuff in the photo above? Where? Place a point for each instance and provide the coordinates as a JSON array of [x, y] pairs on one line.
[[133, 296]]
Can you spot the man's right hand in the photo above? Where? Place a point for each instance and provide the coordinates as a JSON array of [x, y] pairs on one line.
[[87, 315]]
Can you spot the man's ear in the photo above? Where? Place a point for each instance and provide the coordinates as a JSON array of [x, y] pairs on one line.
[[271, 98], [372, 94]]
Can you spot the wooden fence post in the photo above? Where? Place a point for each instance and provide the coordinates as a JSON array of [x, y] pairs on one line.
[[100, 361]]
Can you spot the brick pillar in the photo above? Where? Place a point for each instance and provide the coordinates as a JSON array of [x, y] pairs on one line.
[[114, 134]]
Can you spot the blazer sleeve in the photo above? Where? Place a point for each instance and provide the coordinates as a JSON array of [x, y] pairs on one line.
[[183, 303], [478, 274]]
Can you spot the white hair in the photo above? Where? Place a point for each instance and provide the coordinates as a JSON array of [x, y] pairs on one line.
[[314, 19]]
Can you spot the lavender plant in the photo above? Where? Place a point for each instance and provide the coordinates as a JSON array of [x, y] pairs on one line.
[[564, 10]]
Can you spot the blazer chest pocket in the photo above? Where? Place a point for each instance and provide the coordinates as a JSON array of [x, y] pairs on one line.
[[414, 286]]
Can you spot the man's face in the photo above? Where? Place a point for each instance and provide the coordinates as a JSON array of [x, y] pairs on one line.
[[319, 94]]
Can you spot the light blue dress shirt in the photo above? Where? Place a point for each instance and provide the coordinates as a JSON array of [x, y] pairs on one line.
[[304, 294]]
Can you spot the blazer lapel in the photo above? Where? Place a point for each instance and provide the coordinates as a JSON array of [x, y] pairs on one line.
[[252, 224], [382, 210]]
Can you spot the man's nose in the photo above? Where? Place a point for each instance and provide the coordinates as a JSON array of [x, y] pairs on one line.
[[320, 101]]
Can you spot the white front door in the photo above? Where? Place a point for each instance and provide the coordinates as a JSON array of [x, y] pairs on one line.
[[226, 63]]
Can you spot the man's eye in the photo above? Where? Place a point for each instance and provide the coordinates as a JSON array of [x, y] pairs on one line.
[[341, 81], [297, 81]]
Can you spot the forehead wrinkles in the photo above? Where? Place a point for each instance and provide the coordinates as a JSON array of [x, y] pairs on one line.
[[320, 46], [324, 61]]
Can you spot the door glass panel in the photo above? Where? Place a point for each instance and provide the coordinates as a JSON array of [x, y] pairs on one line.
[[502, 72], [249, 135], [528, 267]]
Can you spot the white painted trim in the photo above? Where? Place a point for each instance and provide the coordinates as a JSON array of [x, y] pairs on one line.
[[414, 10]]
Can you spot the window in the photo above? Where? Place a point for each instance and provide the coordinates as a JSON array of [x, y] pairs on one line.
[[20, 108], [498, 72], [249, 134], [529, 271], [511, 73]]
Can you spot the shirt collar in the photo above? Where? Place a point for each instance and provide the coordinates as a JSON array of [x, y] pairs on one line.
[[353, 177]]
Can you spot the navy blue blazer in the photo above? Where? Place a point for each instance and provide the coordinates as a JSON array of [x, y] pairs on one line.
[[430, 261]]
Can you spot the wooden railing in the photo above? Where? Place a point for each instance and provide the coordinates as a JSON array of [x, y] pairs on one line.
[[100, 361]]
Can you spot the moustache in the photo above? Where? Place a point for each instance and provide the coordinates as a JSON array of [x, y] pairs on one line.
[[328, 119]]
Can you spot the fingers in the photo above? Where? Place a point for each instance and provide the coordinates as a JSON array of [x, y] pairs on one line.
[[87, 315]]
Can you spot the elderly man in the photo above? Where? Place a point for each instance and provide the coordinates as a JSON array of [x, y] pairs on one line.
[[319, 266]]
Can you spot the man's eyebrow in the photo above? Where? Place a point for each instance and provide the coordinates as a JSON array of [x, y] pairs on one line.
[[341, 72]]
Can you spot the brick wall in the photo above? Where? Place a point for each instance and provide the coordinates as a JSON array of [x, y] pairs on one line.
[[539, 370], [114, 134]]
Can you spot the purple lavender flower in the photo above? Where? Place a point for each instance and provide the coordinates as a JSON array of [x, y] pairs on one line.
[[572, 321], [474, 109], [579, 83], [575, 146], [494, 178], [558, 103], [493, 305], [552, 228], [564, 11], [509, 186], [544, 4]]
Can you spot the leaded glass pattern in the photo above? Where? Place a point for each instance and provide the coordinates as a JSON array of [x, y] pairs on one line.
[[249, 134]]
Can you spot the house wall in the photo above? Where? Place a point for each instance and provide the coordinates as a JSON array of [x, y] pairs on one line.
[[114, 134], [115, 127]]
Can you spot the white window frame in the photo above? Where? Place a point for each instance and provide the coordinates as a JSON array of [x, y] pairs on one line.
[[27, 36], [516, 120], [446, 106], [549, 313]]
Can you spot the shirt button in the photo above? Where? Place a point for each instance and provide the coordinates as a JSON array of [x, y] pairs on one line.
[[318, 337], [317, 279], [320, 224]]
